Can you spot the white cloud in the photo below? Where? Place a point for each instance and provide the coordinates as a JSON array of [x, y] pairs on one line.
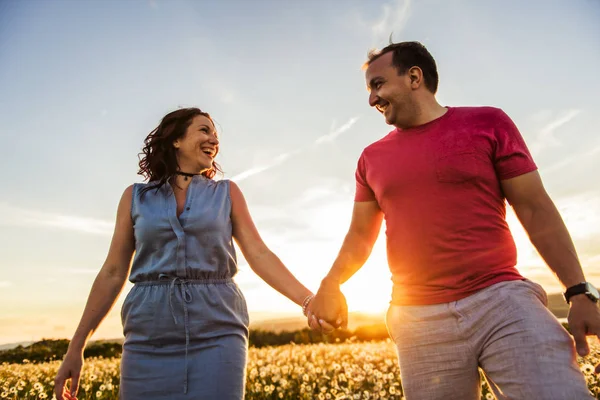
[[261, 168], [593, 261], [577, 158], [281, 158], [15, 216], [581, 214], [394, 18], [4, 284], [336, 132], [546, 136], [315, 194], [541, 116], [249, 172]]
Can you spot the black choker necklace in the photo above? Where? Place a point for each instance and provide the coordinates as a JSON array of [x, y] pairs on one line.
[[186, 174]]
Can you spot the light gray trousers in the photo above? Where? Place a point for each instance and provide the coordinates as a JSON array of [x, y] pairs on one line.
[[506, 329]]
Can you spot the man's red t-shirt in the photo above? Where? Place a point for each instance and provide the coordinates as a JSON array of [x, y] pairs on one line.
[[438, 185]]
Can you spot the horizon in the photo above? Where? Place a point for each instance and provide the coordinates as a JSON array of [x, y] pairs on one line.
[[84, 83], [272, 322]]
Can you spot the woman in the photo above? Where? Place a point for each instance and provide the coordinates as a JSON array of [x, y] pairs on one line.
[[185, 320]]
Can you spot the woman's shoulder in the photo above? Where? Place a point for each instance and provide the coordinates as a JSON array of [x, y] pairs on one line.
[[136, 187], [150, 185], [143, 189], [228, 188], [222, 183]]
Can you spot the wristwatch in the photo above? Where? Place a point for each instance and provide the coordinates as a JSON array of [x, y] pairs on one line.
[[583, 288]]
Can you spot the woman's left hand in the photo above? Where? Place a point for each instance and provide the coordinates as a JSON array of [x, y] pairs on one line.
[[319, 324]]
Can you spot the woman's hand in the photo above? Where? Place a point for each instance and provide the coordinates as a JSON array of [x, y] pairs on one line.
[[320, 324], [69, 369], [329, 305]]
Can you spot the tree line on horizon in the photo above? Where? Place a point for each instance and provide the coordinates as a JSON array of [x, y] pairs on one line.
[[54, 349]]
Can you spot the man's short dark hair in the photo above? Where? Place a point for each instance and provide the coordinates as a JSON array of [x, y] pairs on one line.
[[407, 55]]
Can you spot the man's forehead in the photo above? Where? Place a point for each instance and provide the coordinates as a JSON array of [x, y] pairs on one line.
[[379, 65]]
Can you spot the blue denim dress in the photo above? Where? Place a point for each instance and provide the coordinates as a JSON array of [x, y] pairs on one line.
[[185, 320]]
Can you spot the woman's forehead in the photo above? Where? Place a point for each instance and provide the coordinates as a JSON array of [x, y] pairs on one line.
[[200, 120]]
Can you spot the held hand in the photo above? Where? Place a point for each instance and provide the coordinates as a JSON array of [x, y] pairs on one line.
[[313, 324], [69, 369], [329, 305], [584, 319], [320, 325]]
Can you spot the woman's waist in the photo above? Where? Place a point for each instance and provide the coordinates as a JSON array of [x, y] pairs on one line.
[[163, 276], [177, 280], [172, 300]]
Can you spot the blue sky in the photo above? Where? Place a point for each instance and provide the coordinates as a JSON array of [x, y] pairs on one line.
[[82, 83]]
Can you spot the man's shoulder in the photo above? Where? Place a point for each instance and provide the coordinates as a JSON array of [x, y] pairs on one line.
[[477, 113], [381, 143]]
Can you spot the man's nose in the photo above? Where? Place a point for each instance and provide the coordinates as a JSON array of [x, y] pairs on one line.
[[373, 99]]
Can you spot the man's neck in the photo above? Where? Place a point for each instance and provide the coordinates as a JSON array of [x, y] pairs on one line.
[[427, 112]]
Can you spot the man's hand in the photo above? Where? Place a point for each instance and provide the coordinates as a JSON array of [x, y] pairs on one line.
[[328, 307], [584, 319]]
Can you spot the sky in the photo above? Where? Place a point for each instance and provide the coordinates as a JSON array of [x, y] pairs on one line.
[[83, 82]]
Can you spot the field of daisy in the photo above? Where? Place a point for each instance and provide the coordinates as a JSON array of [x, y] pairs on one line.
[[317, 371]]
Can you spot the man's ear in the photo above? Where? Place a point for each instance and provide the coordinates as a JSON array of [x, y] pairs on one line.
[[416, 77]]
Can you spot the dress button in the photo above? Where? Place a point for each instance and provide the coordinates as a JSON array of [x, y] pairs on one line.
[[188, 209]]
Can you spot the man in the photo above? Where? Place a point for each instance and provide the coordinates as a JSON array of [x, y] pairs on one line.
[[441, 179]]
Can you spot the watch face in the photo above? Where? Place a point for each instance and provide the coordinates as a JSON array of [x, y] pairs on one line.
[[592, 291]]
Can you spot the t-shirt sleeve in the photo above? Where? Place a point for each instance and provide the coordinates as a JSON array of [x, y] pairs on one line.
[[512, 157], [363, 190]]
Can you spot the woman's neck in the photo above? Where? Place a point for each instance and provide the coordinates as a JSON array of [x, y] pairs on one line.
[[180, 181]]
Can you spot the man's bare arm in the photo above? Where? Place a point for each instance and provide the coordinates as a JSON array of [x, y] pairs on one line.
[[550, 236], [358, 244], [544, 225], [329, 304]]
